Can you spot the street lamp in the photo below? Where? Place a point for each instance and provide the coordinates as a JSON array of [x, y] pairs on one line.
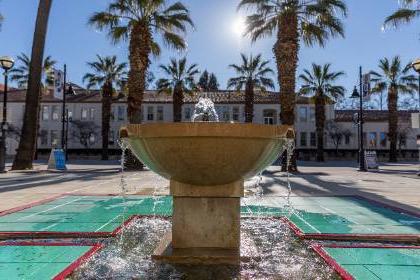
[[356, 94], [416, 67], [64, 112], [6, 63]]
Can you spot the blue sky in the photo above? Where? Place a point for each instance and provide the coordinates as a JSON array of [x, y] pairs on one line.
[[214, 44]]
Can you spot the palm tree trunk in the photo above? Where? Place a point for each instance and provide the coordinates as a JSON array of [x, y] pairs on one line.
[[320, 124], [286, 51], [26, 149], [178, 102], [393, 123], [249, 102], [106, 118], [140, 41]]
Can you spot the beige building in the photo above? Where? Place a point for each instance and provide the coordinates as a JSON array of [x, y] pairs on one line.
[[84, 129]]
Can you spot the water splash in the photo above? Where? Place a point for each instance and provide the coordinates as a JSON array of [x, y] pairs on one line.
[[282, 256], [205, 111]]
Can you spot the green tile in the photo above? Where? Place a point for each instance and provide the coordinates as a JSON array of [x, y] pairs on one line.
[[395, 272], [359, 272], [382, 263], [37, 262]]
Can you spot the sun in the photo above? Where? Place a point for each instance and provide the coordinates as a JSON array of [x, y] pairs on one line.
[[239, 26]]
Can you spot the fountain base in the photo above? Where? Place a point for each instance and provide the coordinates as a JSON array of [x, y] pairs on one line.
[[166, 253], [205, 225]]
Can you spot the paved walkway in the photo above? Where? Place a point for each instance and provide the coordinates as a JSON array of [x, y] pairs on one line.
[[394, 184]]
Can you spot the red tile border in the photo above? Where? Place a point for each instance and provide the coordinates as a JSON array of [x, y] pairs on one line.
[[359, 237], [332, 263], [319, 249], [74, 265]]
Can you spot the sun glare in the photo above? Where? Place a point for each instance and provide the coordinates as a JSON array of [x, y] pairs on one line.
[[239, 26]]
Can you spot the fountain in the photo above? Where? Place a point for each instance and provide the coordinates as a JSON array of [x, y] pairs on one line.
[[206, 163]]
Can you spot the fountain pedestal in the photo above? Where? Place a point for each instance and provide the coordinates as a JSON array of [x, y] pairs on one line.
[[205, 225]]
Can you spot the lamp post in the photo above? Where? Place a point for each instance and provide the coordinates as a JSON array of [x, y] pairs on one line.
[[6, 63], [416, 67], [64, 111], [359, 94]]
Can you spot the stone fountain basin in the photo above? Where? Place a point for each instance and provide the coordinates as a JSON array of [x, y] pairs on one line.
[[207, 154]]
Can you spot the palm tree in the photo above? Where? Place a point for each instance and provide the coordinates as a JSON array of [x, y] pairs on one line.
[[208, 82], [107, 74], [396, 79], [319, 82], [20, 75], [26, 149], [252, 75], [313, 22], [141, 22], [408, 11], [180, 80]]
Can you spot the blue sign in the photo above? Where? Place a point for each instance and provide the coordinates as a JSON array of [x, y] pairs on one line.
[[60, 160]]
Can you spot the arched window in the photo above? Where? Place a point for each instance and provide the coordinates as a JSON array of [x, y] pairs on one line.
[[270, 116]]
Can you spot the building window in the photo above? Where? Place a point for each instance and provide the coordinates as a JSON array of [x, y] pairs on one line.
[[84, 114], [113, 114], [55, 113], [313, 139], [303, 140], [54, 137], [235, 114], [269, 117], [347, 139], [372, 140], [382, 139], [44, 137], [225, 113], [121, 112], [70, 115], [111, 137], [312, 114], [159, 113], [150, 113], [92, 138], [187, 113], [92, 113], [402, 140], [45, 113], [303, 114]]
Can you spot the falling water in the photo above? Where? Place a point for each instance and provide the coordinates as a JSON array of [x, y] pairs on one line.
[[290, 147], [123, 183]]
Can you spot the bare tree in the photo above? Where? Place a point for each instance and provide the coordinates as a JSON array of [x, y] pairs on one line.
[[84, 132], [336, 133]]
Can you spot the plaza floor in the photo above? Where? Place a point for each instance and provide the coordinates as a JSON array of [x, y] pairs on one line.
[[331, 199], [396, 185]]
